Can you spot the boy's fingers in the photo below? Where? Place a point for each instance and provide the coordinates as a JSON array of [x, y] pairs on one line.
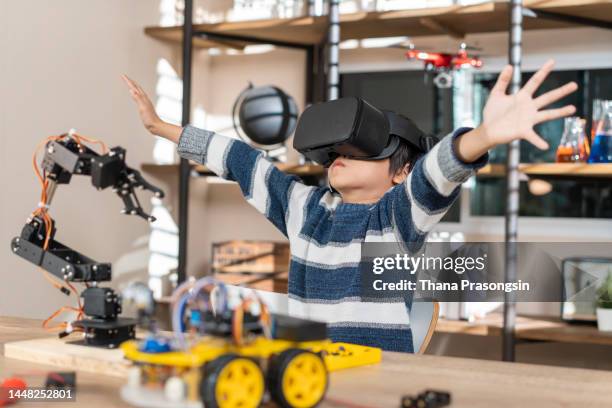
[[134, 95], [138, 87], [142, 93], [133, 85], [138, 98], [503, 80], [142, 98], [552, 114], [132, 89], [128, 81], [554, 95], [137, 94], [536, 140], [536, 80]]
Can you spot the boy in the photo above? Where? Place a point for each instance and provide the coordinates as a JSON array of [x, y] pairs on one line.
[[398, 199]]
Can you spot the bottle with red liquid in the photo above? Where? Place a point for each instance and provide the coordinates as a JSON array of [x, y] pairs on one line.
[[572, 145], [601, 147], [597, 114]]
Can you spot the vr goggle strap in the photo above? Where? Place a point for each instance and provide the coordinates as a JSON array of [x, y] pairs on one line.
[[405, 129]]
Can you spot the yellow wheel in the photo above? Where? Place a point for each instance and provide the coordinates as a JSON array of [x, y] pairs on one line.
[[297, 379], [231, 381]]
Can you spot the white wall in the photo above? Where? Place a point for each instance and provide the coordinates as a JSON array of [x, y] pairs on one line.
[[59, 69]]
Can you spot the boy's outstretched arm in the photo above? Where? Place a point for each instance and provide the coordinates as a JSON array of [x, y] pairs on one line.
[[434, 183], [276, 195], [511, 117]]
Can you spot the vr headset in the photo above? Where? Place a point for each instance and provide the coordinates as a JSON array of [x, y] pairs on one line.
[[353, 128]]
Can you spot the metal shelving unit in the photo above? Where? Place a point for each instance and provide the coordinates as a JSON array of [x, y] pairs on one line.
[[309, 34]]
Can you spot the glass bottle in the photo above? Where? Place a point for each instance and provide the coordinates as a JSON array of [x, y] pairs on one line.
[[572, 145], [597, 111], [601, 149]]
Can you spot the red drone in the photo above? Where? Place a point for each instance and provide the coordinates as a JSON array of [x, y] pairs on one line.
[[443, 62]]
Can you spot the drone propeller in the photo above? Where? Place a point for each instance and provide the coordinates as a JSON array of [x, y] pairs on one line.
[[409, 45], [403, 45], [467, 47]]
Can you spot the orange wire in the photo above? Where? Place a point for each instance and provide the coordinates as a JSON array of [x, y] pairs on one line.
[[265, 317], [78, 300], [57, 313], [238, 320], [103, 145]]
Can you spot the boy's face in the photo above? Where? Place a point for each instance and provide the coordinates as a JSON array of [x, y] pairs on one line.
[[362, 181]]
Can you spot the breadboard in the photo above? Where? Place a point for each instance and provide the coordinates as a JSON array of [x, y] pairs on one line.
[[59, 353]]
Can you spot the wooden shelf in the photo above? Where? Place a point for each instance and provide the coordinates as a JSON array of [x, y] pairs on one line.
[[528, 328], [553, 170], [200, 170], [452, 20]]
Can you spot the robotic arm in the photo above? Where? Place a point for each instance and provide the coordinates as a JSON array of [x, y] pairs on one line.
[[64, 157]]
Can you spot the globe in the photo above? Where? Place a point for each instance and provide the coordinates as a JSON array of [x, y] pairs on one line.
[[266, 114]]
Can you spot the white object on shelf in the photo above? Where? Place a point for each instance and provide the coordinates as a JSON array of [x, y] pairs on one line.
[[604, 319]]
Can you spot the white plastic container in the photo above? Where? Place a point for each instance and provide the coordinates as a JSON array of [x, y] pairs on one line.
[[604, 319]]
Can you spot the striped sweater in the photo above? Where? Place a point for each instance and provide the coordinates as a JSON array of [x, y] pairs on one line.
[[325, 234]]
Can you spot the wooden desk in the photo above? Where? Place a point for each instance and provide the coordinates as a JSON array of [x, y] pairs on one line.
[[93, 390], [529, 328], [472, 383]]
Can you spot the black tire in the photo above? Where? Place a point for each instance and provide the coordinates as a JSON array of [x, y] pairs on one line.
[[276, 370], [210, 376]]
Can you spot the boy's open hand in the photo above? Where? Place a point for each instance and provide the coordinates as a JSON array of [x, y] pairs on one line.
[[510, 117], [149, 117], [145, 107]]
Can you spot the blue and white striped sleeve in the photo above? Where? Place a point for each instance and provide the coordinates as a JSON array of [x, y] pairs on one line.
[[272, 192], [430, 189]]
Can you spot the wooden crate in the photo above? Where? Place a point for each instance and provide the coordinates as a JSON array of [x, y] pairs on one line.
[[250, 257], [272, 283]]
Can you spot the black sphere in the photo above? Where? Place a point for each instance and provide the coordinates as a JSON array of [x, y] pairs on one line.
[[267, 115]]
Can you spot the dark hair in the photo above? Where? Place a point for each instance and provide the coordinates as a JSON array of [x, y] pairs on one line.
[[404, 155]]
